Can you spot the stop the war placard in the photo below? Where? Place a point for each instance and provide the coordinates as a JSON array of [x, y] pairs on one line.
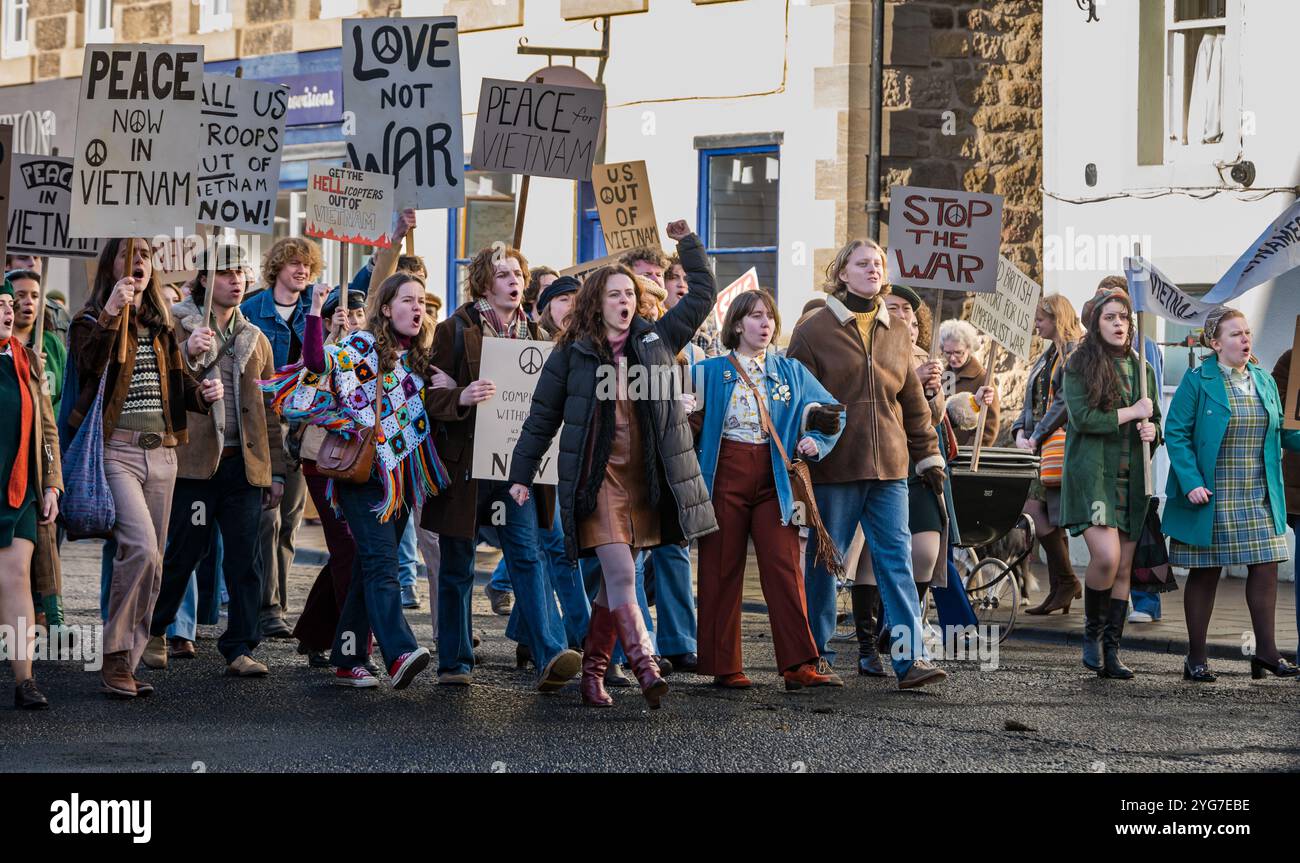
[[137, 124], [401, 81], [349, 206], [514, 366], [944, 239], [242, 134], [40, 190], [543, 130], [627, 213], [1007, 314]]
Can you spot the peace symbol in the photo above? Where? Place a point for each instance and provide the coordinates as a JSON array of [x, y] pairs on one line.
[[387, 45], [530, 361], [96, 152], [137, 122]]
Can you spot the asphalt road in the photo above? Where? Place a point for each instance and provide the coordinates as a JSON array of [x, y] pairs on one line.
[[295, 720]]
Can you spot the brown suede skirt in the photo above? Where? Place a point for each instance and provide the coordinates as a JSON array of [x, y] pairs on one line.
[[623, 513]]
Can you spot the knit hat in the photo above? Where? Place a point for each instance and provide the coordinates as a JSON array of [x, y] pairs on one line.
[[356, 300], [562, 285], [912, 297]]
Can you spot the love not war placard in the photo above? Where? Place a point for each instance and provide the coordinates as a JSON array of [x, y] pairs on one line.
[[137, 150], [401, 79]]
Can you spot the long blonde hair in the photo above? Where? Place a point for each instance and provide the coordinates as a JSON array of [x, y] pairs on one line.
[[1061, 311], [386, 338]]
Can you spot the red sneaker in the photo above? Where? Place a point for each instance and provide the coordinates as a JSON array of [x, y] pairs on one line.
[[358, 678], [406, 666]]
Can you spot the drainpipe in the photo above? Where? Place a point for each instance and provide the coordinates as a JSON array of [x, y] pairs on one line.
[[877, 106]]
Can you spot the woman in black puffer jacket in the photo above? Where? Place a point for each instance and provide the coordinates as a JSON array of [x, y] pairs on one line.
[[628, 474]]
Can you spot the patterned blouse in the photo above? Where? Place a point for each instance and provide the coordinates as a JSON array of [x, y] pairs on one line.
[[743, 422]]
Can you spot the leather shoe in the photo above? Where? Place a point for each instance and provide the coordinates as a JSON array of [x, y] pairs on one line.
[[735, 680], [155, 653], [143, 688], [246, 666], [684, 662], [616, 677], [28, 697], [276, 627], [181, 648], [922, 673]]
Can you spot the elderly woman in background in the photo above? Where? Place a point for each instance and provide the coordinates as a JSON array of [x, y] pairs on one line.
[[1042, 415], [959, 340]]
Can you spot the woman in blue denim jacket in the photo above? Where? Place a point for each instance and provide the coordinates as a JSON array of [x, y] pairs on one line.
[[748, 391]]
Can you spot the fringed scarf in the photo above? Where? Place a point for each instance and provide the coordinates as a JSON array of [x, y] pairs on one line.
[[342, 399], [16, 491], [516, 330]]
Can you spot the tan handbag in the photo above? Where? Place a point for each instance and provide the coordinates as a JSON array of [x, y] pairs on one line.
[[800, 485], [351, 458]]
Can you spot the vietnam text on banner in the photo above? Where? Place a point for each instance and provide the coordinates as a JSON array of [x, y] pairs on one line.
[[1274, 252], [1152, 291]]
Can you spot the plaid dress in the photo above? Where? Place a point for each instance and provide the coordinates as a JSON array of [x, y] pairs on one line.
[[1243, 525]]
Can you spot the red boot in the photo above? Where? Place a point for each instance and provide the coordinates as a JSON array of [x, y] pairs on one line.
[[595, 657], [640, 655]]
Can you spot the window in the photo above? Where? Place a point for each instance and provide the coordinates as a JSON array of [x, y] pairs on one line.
[[591, 240], [488, 216], [15, 28], [215, 15], [1197, 30], [739, 193], [337, 8], [99, 21]]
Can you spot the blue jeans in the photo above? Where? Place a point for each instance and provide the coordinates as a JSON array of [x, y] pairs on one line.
[[106, 555], [1144, 601], [575, 607], [590, 569], [374, 602], [408, 566], [880, 506], [520, 547], [185, 624], [674, 599], [500, 580]]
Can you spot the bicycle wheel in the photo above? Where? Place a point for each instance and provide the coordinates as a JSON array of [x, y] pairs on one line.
[[994, 595], [844, 629]]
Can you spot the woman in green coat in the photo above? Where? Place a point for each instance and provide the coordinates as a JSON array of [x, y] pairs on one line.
[[1103, 494], [1226, 505]]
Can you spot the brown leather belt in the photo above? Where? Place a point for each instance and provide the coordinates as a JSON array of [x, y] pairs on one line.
[[144, 440], [229, 452]]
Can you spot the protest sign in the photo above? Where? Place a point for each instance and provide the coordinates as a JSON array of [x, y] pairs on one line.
[[1152, 291], [137, 121], [627, 213], [944, 239], [747, 282], [239, 154], [1007, 314], [580, 271], [1274, 252], [1291, 420], [401, 82], [40, 194], [6, 165], [350, 206], [539, 130], [514, 366]]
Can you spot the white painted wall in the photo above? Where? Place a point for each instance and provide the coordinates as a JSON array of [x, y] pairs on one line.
[[675, 72]]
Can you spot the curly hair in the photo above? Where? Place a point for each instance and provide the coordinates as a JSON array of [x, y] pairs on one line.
[[1092, 360], [587, 320], [285, 251], [647, 254], [924, 326], [483, 268], [386, 338]]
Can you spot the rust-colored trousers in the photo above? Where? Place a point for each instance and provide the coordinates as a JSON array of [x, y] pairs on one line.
[[746, 505]]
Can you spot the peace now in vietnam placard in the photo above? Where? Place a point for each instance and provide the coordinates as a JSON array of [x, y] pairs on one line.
[[514, 365]]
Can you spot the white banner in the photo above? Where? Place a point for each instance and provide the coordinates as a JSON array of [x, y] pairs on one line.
[[40, 190], [1152, 291], [1273, 253], [514, 365]]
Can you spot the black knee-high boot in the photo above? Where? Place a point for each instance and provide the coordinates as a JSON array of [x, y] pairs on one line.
[[1111, 665], [1094, 621], [864, 623]]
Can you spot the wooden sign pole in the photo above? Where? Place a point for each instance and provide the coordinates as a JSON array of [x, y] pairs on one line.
[[984, 409], [1139, 341], [934, 338], [410, 241], [519, 215], [211, 274], [128, 268]]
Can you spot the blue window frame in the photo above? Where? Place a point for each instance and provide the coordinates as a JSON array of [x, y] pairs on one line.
[[591, 242], [739, 197]]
